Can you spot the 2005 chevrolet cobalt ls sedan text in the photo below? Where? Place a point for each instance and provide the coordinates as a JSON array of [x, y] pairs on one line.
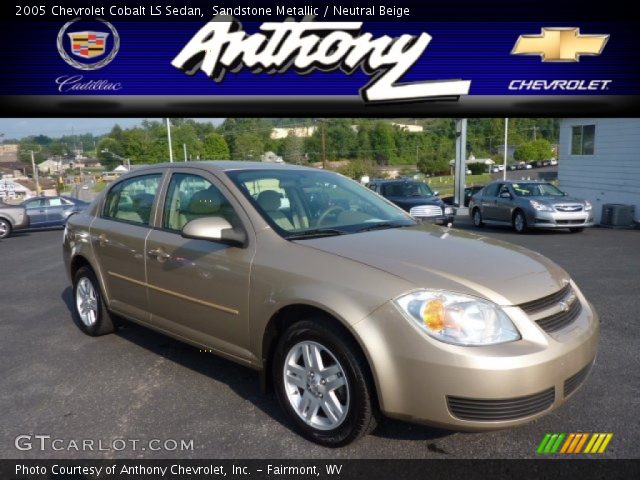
[[349, 307]]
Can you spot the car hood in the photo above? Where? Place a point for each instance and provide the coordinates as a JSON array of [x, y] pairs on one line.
[[557, 200], [438, 258], [416, 201]]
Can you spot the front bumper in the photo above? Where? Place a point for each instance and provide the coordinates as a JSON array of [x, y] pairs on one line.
[[23, 224], [417, 376], [561, 220], [439, 220]]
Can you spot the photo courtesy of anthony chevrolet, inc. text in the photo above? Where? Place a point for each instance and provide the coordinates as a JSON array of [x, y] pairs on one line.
[[336, 240]]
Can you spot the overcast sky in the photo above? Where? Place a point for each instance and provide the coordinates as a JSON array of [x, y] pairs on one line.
[[56, 127]]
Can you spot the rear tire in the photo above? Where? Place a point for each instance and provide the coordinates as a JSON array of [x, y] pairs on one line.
[[477, 218], [519, 222], [5, 228], [576, 229], [90, 311], [330, 401]]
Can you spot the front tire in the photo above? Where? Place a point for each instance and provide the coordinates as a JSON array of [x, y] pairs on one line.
[[322, 383], [519, 222], [5, 228], [90, 311], [477, 218]]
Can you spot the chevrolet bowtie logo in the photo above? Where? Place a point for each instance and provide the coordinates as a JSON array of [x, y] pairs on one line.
[[560, 44]]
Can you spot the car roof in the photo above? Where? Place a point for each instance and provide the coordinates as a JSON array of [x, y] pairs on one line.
[[225, 165], [398, 180], [519, 181]]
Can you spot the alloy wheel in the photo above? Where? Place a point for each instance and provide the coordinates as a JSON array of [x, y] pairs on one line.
[[316, 385], [86, 302]]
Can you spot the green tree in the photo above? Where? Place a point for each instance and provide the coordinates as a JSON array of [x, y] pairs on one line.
[[539, 149], [248, 146], [214, 147], [293, 149], [356, 169], [383, 143]]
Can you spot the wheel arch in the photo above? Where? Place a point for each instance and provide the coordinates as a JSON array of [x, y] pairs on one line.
[[290, 314], [77, 262]]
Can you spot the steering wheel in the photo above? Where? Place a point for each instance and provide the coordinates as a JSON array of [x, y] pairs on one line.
[[333, 209]]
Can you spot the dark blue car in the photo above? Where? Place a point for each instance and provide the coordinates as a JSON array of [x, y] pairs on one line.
[[416, 198], [51, 212]]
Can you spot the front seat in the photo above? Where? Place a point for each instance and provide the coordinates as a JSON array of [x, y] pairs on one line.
[[205, 203], [269, 201]]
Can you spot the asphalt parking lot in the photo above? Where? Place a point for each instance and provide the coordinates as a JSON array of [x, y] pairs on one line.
[[137, 384]]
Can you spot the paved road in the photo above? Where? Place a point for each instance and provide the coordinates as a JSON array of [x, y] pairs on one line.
[[140, 385]]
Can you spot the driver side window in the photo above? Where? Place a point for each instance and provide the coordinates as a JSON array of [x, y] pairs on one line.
[[190, 197]]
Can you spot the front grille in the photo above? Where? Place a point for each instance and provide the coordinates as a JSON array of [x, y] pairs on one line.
[[502, 409], [570, 222], [426, 211], [561, 319], [572, 383], [545, 302], [576, 207]]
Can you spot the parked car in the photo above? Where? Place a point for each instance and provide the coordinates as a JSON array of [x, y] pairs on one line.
[[51, 212], [553, 162], [346, 305], [468, 193], [417, 198], [529, 204], [12, 218]]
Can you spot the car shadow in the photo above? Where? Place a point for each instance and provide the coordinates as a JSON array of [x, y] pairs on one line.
[[242, 380]]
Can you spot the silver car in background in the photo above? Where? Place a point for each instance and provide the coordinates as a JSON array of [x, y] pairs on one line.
[[529, 204]]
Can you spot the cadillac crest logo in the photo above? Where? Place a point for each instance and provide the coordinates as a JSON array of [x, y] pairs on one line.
[[88, 45]]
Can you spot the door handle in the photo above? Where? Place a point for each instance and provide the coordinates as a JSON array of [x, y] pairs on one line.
[[102, 240], [159, 253]]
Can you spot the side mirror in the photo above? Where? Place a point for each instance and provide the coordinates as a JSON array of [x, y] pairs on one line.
[[215, 229], [436, 193], [505, 195]]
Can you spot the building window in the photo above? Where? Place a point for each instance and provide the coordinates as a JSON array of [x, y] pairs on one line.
[[583, 139]]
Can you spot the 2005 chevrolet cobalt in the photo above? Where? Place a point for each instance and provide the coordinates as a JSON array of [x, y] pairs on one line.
[[349, 307]]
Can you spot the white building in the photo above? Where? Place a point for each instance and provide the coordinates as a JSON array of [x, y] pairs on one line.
[[407, 127], [279, 133], [599, 160]]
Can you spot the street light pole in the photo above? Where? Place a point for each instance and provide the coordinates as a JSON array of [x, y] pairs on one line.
[[35, 173], [184, 147], [506, 148], [169, 140]]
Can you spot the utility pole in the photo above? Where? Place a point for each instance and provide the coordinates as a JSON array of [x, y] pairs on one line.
[[506, 147], [169, 139], [184, 147], [35, 173], [460, 165], [324, 146]]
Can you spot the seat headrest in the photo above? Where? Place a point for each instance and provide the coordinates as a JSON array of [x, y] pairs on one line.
[[205, 202], [269, 200]]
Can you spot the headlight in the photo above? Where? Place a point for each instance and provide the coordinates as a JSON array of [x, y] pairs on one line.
[[448, 210], [541, 207], [458, 319], [587, 206]]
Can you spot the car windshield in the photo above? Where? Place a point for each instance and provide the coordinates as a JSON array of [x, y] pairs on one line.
[[536, 190], [306, 203], [407, 189]]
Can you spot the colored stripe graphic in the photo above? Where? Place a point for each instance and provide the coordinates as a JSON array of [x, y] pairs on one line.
[[573, 443]]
